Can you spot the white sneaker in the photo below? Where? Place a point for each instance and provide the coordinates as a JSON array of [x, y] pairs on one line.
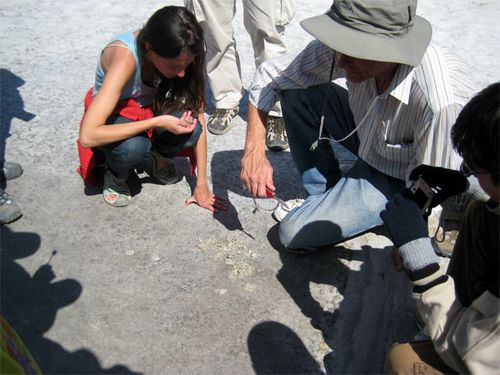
[[285, 207]]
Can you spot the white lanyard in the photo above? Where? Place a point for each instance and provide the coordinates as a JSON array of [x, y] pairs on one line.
[[314, 145]]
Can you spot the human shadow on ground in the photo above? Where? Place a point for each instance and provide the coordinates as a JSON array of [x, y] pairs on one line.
[[225, 172], [11, 106], [345, 309], [324, 266], [30, 304], [277, 349]]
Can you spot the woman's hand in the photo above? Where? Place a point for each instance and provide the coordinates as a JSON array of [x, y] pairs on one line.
[[204, 198], [178, 125]]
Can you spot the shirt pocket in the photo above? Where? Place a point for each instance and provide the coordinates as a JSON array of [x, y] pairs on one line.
[[395, 146]]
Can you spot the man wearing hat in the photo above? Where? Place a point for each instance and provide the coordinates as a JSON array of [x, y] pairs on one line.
[[403, 96]]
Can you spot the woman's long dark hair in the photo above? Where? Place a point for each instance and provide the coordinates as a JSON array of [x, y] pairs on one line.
[[171, 31]]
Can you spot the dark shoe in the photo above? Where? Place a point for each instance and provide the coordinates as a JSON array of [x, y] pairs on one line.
[[276, 139], [163, 169], [9, 210], [12, 170], [221, 120]]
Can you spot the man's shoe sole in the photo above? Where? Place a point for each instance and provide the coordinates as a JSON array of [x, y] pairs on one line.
[[221, 131], [277, 147]]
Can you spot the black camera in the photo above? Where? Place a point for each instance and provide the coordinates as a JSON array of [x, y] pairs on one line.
[[432, 185], [422, 194]]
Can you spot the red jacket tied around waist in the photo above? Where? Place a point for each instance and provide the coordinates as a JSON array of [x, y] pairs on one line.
[[90, 157]]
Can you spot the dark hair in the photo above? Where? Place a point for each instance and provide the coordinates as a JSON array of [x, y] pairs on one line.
[[475, 134], [171, 31]]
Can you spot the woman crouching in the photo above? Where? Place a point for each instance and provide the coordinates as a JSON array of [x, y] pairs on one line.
[[147, 104]]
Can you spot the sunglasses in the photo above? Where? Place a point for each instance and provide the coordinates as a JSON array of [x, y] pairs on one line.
[[467, 171], [269, 203]]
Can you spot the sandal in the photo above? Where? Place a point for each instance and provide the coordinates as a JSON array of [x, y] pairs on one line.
[[114, 192], [167, 174]]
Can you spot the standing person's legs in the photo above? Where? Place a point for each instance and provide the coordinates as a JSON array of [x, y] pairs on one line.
[[338, 207], [223, 62], [263, 20], [263, 23]]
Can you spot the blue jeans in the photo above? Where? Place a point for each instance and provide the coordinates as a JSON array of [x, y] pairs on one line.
[[338, 206], [135, 152]]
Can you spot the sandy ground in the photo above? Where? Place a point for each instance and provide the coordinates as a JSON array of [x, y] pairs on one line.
[[158, 287]]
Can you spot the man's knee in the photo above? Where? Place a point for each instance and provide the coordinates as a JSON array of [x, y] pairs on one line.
[[298, 237], [286, 234]]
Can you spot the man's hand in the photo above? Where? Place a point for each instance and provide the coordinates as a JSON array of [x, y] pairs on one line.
[[256, 171], [403, 220], [257, 174]]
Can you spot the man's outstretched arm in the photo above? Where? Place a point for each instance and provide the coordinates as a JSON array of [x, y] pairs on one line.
[[256, 171]]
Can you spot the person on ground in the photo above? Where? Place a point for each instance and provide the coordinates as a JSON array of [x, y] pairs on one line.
[[265, 22], [460, 309], [403, 95], [147, 104]]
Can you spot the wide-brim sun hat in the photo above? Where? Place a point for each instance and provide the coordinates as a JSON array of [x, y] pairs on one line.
[[380, 30]]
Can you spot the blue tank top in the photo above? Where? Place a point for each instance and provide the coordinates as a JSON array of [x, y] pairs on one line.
[[134, 88]]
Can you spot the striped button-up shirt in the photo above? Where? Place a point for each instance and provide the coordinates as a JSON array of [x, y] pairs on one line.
[[407, 125]]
